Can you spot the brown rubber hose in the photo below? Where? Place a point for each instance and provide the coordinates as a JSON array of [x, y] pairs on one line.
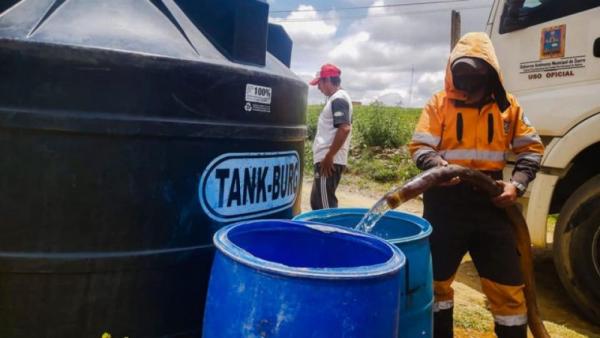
[[439, 175]]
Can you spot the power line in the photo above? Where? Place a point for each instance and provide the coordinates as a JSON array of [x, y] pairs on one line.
[[277, 20], [373, 6]]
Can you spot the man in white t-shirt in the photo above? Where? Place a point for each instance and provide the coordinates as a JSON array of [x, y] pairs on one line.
[[332, 141]]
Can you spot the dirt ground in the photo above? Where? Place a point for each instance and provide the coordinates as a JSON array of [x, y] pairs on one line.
[[559, 313]]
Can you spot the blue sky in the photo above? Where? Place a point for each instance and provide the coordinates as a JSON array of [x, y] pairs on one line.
[[378, 45]]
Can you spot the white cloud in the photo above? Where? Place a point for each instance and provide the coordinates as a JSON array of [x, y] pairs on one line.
[[313, 35], [376, 9], [382, 54], [427, 84], [351, 47], [432, 78], [305, 26]]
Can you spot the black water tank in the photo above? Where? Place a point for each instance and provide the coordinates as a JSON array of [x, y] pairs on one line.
[[129, 132]]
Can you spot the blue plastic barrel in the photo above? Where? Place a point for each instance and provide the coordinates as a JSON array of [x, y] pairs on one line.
[[276, 278], [410, 233]]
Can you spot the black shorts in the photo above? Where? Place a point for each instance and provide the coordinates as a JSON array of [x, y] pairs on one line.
[[322, 195]]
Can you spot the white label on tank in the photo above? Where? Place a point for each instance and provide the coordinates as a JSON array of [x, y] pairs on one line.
[[258, 94], [237, 186]]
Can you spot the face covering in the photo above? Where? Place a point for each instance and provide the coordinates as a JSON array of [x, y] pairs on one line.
[[470, 83], [468, 77]]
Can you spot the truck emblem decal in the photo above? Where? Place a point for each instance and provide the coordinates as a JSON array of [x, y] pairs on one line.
[[553, 42]]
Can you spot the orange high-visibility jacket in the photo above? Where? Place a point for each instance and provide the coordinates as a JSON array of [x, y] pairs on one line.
[[478, 138]]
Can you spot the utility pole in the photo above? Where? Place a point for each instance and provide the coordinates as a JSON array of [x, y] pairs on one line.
[[454, 29], [412, 78]]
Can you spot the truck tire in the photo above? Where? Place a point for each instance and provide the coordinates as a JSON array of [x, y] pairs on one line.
[[577, 247]]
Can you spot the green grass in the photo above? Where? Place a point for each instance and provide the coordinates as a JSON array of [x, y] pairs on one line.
[[474, 318], [379, 139]]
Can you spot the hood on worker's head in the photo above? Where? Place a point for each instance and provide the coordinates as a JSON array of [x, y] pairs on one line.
[[476, 45]]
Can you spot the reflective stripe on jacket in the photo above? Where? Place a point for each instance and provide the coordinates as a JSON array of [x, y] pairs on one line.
[[472, 137]]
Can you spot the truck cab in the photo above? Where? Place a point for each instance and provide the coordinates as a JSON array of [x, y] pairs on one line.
[[549, 52]]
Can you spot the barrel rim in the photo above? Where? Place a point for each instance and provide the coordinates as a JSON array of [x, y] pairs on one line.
[[422, 223], [225, 246]]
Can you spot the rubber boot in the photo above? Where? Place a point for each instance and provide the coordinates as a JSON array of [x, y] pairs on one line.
[[443, 324], [519, 331]]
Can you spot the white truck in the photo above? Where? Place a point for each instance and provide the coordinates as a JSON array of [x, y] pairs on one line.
[[549, 52]]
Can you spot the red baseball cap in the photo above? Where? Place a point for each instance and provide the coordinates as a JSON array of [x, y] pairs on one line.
[[327, 70]]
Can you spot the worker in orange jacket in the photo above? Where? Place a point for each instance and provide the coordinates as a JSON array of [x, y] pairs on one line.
[[475, 123]]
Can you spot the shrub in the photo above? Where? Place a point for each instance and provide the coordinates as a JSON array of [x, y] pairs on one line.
[[312, 117], [386, 127], [308, 157], [379, 138]]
